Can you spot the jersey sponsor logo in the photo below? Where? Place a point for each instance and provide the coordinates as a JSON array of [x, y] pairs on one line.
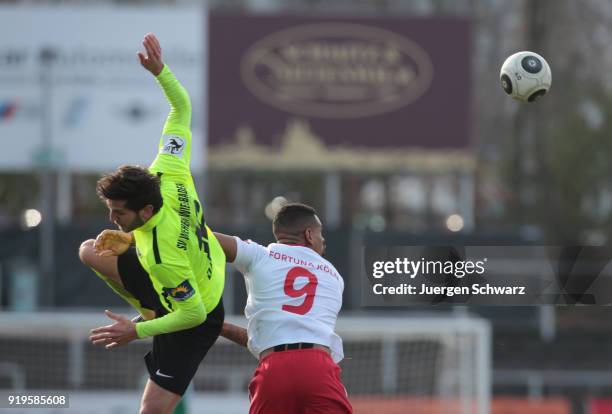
[[173, 145], [283, 257], [184, 213], [182, 292]]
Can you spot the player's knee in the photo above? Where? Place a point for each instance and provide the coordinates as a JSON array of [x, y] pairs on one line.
[[86, 252]]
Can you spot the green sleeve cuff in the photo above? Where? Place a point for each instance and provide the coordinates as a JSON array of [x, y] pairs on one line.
[[164, 72]]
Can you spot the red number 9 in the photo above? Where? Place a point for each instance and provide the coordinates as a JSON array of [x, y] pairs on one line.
[[309, 289]]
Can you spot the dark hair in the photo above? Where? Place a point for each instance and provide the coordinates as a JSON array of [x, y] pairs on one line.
[[293, 218], [134, 184]]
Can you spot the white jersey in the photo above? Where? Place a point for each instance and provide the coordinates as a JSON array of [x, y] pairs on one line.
[[294, 295]]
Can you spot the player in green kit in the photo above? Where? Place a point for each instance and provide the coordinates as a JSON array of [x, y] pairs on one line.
[[165, 261]]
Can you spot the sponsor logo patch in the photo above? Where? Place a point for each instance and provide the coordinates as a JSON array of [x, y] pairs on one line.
[[173, 145], [180, 293]]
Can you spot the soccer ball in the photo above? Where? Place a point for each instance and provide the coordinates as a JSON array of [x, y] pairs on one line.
[[525, 76]]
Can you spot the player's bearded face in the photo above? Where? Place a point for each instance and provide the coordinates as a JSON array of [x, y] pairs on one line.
[[133, 223], [127, 220]]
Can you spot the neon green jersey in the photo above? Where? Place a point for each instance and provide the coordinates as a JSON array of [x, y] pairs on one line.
[[176, 248]]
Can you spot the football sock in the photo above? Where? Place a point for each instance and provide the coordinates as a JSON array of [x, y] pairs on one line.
[[127, 296]]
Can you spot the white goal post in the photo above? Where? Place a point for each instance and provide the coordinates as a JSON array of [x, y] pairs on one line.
[[410, 364], [417, 364]]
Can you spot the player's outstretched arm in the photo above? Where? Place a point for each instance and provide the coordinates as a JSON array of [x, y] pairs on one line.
[[229, 246], [234, 333], [179, 117]]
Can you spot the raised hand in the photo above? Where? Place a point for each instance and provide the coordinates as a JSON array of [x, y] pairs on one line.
[[152, 60]]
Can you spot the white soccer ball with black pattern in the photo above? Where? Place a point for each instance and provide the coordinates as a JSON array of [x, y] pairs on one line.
[[525, 76]]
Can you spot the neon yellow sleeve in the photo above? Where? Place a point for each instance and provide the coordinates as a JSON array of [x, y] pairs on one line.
[[174, 151], [180, 292], [184, 317], [179, 118]]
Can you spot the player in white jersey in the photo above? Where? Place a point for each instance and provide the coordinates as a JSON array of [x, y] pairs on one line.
[[294, 296]]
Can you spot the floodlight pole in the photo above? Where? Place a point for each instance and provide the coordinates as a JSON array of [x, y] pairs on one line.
[[47, 58], [535, 149]]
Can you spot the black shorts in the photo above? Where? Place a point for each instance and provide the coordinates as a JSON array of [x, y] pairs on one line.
[[176, 356]]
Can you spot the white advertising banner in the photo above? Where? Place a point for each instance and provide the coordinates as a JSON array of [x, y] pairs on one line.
[[73, 93]]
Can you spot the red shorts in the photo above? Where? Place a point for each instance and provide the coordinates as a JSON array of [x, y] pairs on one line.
[[301, 381]]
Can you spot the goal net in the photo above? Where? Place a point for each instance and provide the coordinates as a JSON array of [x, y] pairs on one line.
[[407, 365], [417, 365]]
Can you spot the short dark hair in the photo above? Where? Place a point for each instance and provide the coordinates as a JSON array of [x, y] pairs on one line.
[[134, 184], [293, 218]]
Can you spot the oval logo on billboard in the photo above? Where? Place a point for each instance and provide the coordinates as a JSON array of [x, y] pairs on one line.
[[336, 70]]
